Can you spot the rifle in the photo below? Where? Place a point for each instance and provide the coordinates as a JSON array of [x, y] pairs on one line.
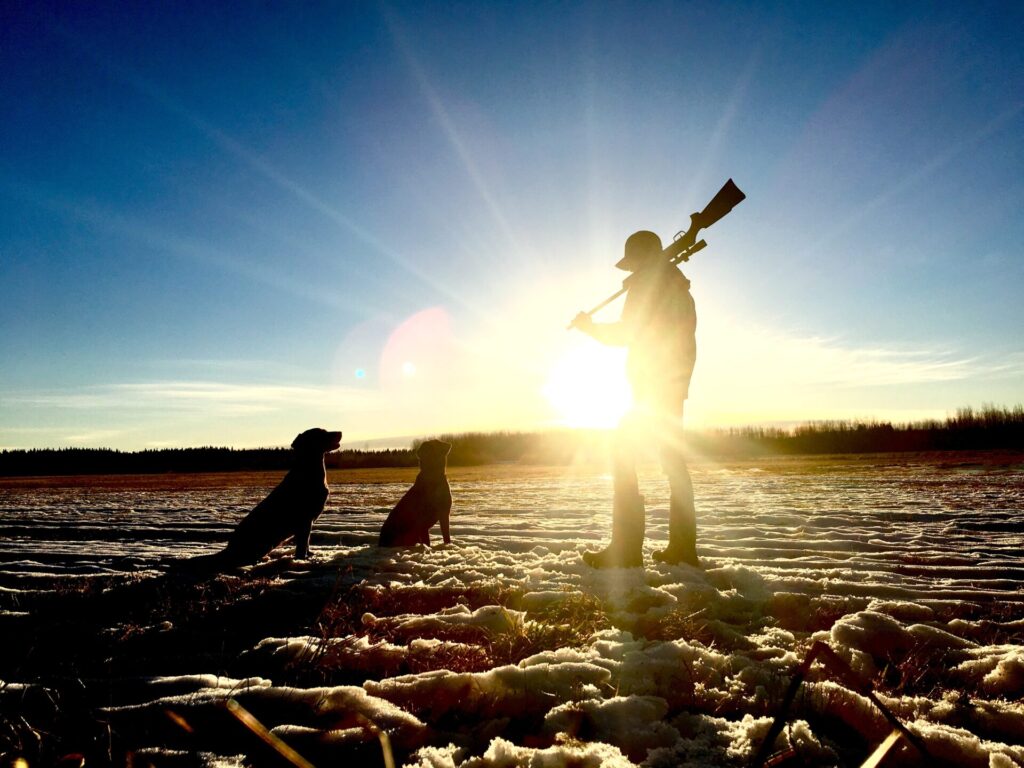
[[685, 244]]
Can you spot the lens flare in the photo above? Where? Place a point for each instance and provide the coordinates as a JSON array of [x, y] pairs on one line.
[[420, 349]]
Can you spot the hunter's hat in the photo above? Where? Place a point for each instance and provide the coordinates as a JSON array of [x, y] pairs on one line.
[[640, 246]]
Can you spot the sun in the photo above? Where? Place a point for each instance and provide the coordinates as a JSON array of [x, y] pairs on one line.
[[587, 386]]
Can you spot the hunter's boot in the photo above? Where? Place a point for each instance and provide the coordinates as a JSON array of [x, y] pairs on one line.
[[626, 548], [682, 535]]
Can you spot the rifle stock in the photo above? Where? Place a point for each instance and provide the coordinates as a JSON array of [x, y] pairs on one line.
[[727, 198]]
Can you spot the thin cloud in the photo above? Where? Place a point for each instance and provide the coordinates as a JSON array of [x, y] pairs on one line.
[[263, 366], [731, 355], [92, 436], [828, 361], [192, 396], [1009, 366]]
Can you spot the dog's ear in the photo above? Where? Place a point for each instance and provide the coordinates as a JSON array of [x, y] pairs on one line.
[[305, 439]]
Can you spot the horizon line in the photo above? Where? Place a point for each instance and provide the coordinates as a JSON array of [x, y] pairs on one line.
[[407, 442]]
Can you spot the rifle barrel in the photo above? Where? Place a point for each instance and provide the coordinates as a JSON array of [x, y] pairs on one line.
[[686, 253]]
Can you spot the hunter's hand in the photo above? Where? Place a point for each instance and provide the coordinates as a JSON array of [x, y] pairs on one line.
[[582, 322]]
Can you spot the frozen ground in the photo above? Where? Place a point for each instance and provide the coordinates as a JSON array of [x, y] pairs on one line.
[[503, 649]]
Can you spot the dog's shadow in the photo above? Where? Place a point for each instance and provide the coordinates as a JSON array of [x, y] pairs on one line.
[[358, 560]]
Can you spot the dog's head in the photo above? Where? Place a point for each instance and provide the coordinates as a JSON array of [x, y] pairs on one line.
[[433, 454], [317, 441]]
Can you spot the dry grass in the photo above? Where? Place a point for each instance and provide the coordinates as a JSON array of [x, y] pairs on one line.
[[141, 623], [84, 637], [464, 648]]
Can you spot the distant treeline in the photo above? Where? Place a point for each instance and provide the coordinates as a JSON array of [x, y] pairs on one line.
[[107, 461], [990, 428]]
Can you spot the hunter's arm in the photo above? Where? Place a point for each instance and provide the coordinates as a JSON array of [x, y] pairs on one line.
[[617, 334], [613, 334]]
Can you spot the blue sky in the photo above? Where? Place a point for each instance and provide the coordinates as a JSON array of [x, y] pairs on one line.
[[222, 224]]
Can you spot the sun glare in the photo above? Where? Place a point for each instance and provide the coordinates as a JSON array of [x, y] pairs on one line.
[[587, 387]]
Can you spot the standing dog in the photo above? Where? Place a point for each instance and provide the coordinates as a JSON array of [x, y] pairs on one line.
[[287, 513], [429, 501]]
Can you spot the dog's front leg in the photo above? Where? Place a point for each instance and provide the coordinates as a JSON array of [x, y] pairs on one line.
[[444, 520], [302, 541]]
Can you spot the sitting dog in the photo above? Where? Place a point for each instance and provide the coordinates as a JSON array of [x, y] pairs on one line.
[[287, 513], [429, 501]]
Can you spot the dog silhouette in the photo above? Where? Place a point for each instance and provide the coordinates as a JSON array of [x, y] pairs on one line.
[[429, 501], [287, 513]]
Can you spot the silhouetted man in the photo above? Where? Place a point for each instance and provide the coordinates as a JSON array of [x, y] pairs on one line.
[[658, 325]]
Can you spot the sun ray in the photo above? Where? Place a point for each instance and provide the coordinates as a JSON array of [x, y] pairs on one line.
[[253, 161], [915, 177], [451, 131], [698, 179], [141, 232]]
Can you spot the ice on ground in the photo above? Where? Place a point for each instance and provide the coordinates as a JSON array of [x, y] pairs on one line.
[[635, 724], [278, 708], [1000, 669], [910, 571], [372, 659], [871, 640], [509, 691], [957, 746], [505, 754], [708, 740], [495, 619]]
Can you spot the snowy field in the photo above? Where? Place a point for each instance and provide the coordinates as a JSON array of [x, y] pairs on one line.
[[503, 649]]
